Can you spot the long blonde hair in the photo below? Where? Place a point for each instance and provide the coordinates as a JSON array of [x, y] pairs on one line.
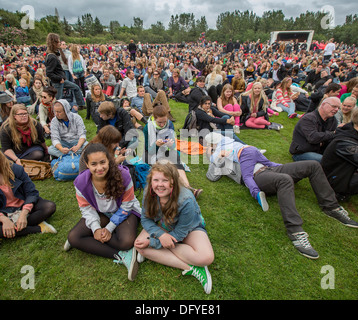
[[215, 72], [170, 210], [5, 170], [262, 96], [12, 125], [74, 52]]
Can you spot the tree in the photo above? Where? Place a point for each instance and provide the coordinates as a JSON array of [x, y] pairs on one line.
[[97, 27]]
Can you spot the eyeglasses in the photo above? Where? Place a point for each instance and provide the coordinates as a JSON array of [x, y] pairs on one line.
[[22, 114], [335, 107], [155, 74]]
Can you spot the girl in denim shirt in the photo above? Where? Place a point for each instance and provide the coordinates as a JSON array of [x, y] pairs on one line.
[[173, 228]]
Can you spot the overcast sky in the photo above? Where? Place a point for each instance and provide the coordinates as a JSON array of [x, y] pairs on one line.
[[151, 11]]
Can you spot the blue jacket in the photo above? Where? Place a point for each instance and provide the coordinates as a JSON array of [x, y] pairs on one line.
[[189, 217], [22, 187]]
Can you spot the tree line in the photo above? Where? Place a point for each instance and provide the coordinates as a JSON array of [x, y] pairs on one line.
[[183, 27]]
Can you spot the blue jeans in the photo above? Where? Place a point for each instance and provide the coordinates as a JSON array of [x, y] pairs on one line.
[[72, 86], [228, 131], [53, 151], [307, 156], [290, 110]]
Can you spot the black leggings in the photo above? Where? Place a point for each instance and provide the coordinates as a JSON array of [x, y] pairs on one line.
[[41, 211], [81, 237]]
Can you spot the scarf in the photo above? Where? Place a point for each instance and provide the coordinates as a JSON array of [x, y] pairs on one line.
[[48, 107], [155, 133], [38, 93], [26, 136]]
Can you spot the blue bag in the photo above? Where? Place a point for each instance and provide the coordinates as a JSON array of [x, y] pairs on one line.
[[66, 167], [141, 172]]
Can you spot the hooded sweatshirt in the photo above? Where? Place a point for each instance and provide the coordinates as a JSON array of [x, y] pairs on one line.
[[73, 130], [340, 159]]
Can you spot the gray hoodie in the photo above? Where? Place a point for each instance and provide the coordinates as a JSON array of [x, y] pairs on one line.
[[75, 129]]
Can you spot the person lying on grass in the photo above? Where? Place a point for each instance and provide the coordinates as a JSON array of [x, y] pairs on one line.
[[280, 180], [247, 156], [174, 231], [110, 211]]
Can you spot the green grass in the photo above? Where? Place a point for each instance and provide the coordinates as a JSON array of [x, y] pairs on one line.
[[254, 259]]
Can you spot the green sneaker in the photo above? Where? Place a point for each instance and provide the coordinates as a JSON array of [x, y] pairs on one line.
[[129, 259], [202, 274]]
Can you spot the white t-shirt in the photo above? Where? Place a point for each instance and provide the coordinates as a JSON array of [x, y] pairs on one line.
[[328, 50], [130, 86]]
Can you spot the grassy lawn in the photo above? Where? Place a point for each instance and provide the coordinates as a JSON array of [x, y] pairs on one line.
[[254, 259]]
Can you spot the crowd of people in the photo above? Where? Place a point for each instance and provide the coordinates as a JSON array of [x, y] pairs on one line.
[[126, 88]]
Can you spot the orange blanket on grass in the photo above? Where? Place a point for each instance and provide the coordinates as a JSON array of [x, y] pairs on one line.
[[190, 147]]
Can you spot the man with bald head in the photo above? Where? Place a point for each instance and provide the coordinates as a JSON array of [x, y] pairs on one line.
[[314, 131]]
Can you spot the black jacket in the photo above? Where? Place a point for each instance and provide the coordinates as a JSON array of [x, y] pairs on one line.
[[54, 69], [203, 119], [340, 159], [245, 108], [281, 73], [123, 124], [312, 134], [194, 98]]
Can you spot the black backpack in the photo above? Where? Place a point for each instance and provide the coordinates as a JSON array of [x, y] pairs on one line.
[[190, 121]]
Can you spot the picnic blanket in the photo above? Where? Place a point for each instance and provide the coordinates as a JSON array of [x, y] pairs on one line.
[[190, 147]]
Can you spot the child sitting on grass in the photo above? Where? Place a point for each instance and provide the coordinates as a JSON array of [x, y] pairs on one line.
[[22, 93], [173, 227]]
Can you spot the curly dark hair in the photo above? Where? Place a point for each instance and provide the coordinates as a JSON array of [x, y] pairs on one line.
[[114, 188]]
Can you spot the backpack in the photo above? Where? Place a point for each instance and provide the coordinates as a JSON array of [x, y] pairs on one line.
[[66, 167], [139, 172], [190, 122], [77, 66]]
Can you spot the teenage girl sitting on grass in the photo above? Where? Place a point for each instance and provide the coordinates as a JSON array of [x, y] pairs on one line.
[[173, 228]]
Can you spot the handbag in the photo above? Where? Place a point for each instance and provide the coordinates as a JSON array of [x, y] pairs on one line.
[[37, 170], [66, 167]]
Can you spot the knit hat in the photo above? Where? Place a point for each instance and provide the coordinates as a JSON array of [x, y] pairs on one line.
[[5, 98]]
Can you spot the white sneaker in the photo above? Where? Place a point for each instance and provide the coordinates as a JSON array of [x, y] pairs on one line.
[[47, 228], [67, 246]]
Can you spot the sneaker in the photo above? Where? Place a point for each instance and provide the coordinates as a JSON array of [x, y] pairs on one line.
[[274, 126], [342, 216], [300, 241], [129, 259], [47, 228], [261, 199], [202, 274], [262, 151], [197, 193], [236, 129], [293, 115], [277, 124], [67, 246]]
